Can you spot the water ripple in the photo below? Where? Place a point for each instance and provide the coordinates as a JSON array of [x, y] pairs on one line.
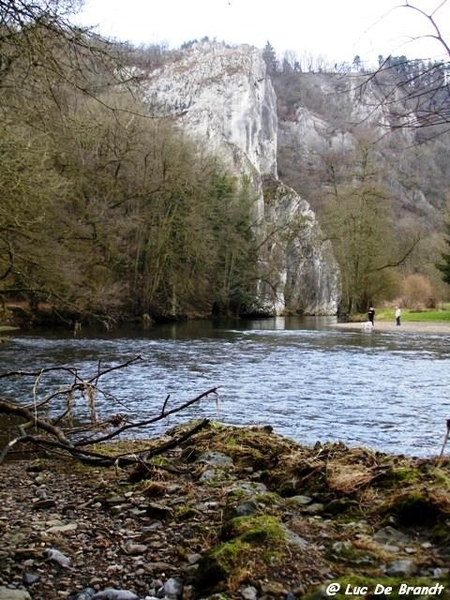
[[386, 390]]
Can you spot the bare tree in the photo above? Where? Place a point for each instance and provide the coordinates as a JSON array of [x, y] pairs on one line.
[[417, 91]]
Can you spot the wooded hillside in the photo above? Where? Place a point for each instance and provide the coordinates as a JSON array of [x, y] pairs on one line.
[[108, 212]]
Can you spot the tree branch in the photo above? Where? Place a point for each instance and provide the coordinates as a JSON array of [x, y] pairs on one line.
[[56, 437]]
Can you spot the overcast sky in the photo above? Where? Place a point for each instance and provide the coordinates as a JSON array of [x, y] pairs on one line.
[[335, 29]]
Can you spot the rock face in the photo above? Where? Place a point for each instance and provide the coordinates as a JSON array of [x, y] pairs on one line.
[[223, 97]]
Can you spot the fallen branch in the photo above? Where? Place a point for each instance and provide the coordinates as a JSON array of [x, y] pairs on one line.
[[51, 433], [140, 424]]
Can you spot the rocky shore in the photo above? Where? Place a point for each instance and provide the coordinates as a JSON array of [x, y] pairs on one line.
[[236, 513]]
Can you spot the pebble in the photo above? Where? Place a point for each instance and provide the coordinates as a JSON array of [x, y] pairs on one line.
[[249, 592], [114, 594], [402, 567], [30, 578], [173, 588], [85, 594], [215, 459], [158, 511], [58, 557], [44, 503], [9, 594], [63, 528], [193, 558], [135, 549], [389, 535], [300, 500]]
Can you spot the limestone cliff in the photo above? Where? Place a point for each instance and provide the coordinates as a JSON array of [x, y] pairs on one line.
[[223, 97]]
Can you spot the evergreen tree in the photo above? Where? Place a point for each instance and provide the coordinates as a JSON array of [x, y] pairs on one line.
[[444, 266], [270, 58]]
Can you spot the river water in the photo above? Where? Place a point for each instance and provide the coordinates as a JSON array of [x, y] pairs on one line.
[[308, 379]]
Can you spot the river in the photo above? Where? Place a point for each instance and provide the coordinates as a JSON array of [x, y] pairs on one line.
[[308, 379]]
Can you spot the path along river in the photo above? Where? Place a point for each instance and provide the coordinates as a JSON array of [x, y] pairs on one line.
[[310, 380]]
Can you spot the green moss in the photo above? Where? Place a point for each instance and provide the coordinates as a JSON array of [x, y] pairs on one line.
[[222, 565], [185, 513], [260, 529], [232, 442], [439, 476], [405, 475], [268, 498], [254, 538]]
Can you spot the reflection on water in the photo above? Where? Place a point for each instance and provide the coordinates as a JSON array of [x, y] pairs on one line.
[[310, 380]]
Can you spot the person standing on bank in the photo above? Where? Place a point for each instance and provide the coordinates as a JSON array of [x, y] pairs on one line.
[[398, 316], [371, 315]]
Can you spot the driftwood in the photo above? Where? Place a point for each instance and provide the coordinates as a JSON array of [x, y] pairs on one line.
[[58, 433]]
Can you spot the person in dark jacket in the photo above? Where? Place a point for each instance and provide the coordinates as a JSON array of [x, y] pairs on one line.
[[371, 315]]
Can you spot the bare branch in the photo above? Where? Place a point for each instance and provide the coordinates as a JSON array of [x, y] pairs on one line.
[[74, 441], [140, 424]]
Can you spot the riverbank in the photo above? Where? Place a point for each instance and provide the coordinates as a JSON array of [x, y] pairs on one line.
[[405, 327], [240, 511]]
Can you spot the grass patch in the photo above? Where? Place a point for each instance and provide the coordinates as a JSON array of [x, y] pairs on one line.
[[427, 316], [417, 316]]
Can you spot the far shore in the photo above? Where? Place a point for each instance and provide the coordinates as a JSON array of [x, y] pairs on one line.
[[407, 326]]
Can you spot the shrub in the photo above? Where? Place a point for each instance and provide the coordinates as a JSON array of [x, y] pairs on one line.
[[417, 292]]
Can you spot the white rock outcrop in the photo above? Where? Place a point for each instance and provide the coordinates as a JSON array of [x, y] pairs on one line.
[[223, 97]]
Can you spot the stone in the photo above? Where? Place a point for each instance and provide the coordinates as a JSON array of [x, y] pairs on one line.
[[63, 528], [135, 549], [209, 475], [314, 509], [44, 503], [299, 500], [249, 592], [173, 588], [246, 509], [9, 594], [389, 535], [115, 499], [402, 567], [215, 459], [158, 511], [85, 594], [294, 539], [251, 488], [58, 557], [29, 578], [115, 594]]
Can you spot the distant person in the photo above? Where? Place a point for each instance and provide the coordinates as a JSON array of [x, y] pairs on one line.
[[371, 315], [398, 316]]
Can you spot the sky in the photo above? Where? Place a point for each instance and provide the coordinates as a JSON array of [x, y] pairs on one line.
[[336, 30]]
